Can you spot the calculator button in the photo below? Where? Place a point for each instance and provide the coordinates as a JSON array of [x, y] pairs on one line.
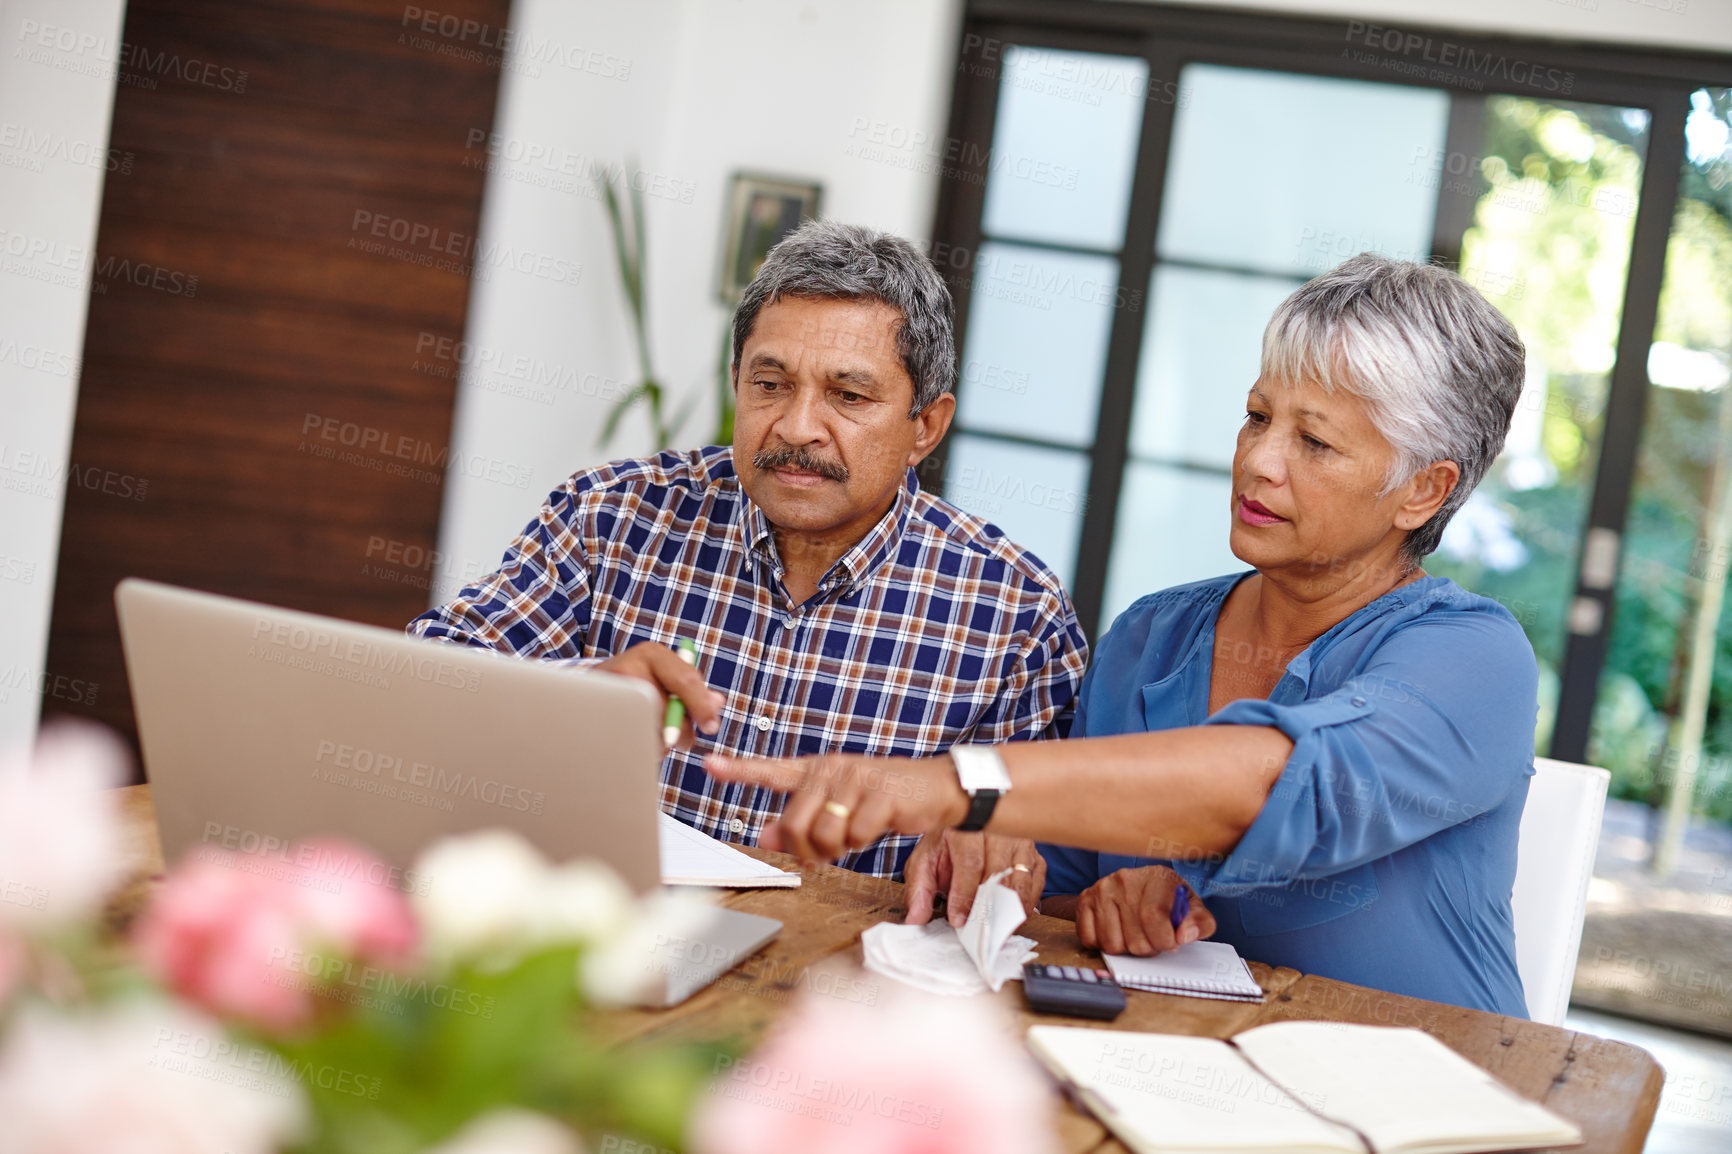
[[1070, 973], [1088, 976]]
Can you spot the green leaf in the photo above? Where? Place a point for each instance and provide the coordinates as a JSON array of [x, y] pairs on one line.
[[679, 419], [725, 399], [642, 253], [628, 271], [630, 248], [437, 1052], [638, 392]]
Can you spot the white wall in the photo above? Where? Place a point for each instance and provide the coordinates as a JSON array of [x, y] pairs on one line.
[[692, 90], [56, 94]]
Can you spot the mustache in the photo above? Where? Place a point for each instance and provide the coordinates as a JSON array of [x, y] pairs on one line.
[[802, 459]]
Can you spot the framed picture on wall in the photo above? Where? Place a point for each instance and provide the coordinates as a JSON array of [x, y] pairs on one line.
[[761, 210]]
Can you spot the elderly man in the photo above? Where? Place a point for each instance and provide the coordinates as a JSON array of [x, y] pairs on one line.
[[834, 605]]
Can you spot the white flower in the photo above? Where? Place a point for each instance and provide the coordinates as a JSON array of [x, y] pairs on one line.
[[510, 1130], [59, 827], [581, 901], [145, 1077], [474, 894], [491, 897], [664, 936]]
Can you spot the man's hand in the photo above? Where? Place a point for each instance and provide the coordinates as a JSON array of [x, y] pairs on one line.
[[952, 863], [671, 677], [845, 801], [1131, 912]]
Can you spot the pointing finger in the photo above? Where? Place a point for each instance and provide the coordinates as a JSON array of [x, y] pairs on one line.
[[781, 775]]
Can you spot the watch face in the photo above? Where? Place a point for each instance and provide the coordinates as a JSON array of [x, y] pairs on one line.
[[979, 767]]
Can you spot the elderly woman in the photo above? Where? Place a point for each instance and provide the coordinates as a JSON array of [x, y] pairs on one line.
[[1330, 750]]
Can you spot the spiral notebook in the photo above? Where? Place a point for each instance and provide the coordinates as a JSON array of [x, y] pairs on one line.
[[1197, 970]]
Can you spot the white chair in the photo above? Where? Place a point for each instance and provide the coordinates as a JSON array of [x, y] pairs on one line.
[[1554, 860]]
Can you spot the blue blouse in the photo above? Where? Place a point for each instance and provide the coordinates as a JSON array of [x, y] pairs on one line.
[[1387, 849]]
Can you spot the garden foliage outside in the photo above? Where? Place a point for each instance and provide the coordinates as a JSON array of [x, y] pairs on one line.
[[1550, 245]]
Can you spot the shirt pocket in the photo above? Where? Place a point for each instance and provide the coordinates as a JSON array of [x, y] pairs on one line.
[[1170, 703], [1308, 903]]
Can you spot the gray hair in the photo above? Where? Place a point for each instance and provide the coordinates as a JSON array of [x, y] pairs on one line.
[[1439, 368], [826, 259]]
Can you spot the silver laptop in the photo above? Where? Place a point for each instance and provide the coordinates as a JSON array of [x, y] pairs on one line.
[[262, 726]]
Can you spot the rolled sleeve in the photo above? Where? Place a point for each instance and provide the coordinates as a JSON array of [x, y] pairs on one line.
[[1435, 733], [1038, 700], [535, 605]]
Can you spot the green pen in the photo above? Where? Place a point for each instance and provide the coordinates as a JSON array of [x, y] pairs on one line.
[[676, 714]]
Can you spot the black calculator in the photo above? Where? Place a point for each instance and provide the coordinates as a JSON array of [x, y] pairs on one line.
[[1074, 991]]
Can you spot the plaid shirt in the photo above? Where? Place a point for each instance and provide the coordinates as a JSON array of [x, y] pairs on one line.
[[932, 630]]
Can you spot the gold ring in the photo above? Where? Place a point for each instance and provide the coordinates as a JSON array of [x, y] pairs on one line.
[[1021, 868], [838, 809]]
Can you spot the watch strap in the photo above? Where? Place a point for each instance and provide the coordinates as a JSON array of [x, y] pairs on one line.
[[981, 803]]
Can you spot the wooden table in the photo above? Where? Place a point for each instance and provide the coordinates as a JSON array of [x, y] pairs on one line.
[[1609, 1089]]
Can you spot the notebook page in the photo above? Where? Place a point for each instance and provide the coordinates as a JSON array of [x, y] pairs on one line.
[[1202, 965], [1402, 1088], [1161, 1093], [690, 857]]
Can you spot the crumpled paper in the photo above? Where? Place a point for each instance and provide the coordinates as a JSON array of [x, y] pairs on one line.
[[941, 959]]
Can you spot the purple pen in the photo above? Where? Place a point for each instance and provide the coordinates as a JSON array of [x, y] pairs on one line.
[[1181, 904]]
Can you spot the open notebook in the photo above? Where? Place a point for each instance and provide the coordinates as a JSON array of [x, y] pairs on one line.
[[693, 858], [1295, 1087], [1197, 970]]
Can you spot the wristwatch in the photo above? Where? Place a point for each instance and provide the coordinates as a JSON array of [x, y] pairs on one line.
[[982, 775]]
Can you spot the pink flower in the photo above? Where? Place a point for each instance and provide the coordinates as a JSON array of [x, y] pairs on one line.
[[59, 827], [254, 937], [910, 1074], [356, 909], [12, 961]]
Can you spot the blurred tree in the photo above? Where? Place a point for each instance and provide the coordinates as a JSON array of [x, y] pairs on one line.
[[1550, 247]]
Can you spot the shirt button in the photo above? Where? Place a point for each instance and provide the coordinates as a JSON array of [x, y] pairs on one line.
[[763, 724], [787, 622], [1359, 701], [737, 826]]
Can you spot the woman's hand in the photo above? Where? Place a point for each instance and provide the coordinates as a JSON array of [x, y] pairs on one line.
[[1131, 912], [844, 802]]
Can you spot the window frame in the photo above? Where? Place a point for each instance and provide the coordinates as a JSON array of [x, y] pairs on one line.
[[1168, 37]]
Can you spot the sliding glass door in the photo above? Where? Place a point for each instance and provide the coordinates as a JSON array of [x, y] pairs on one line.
[[1146, 194]]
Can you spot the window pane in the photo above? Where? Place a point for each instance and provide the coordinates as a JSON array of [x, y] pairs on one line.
[[1671, 553], [1277, 172], [1064, 146], [1201, 348], [1172, 528], [1035, 495], [1549, 245], [1038, 323]]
